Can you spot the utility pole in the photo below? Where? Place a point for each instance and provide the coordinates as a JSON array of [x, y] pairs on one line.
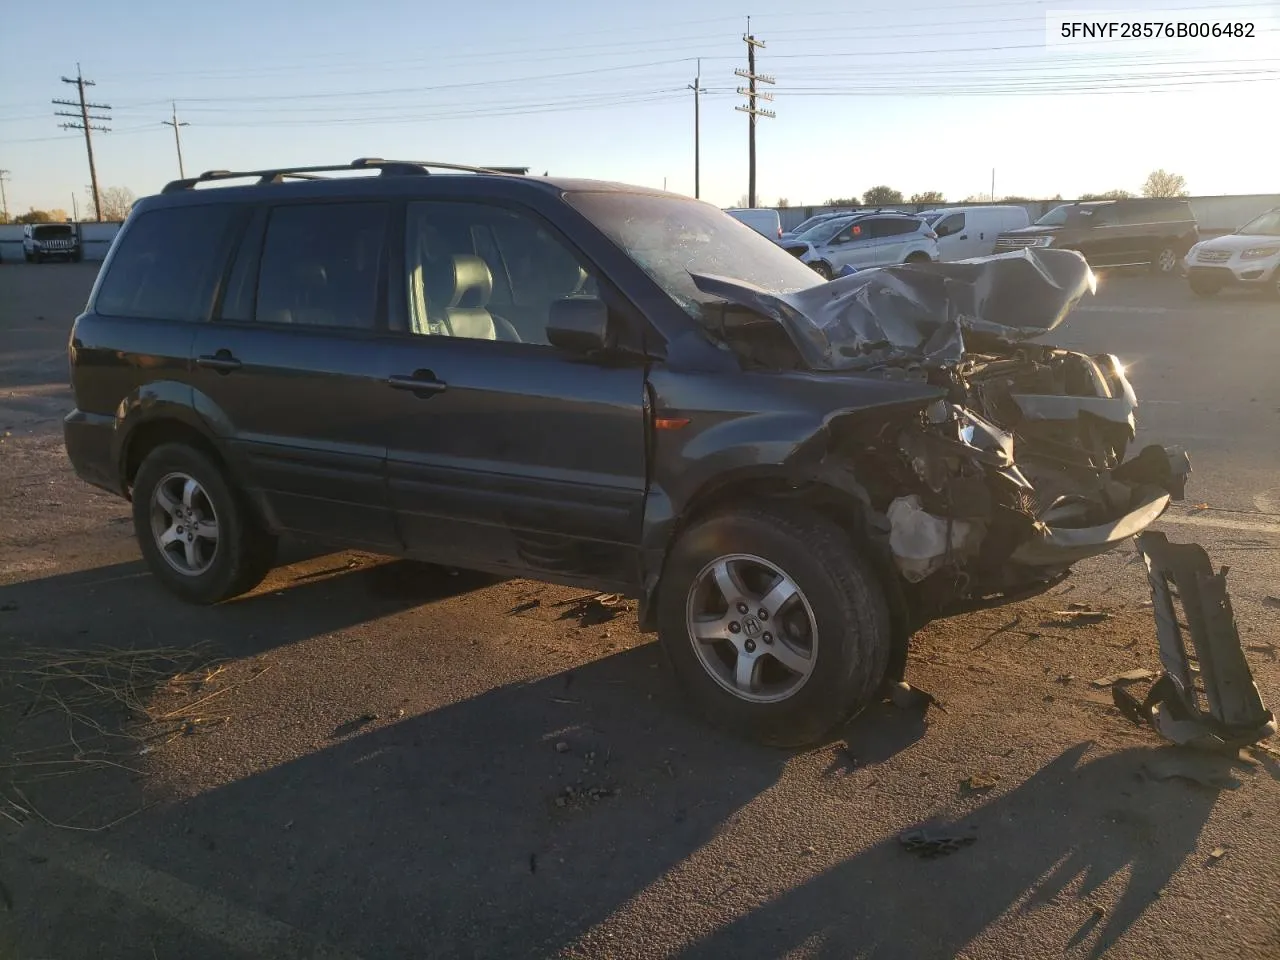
[[4, 200], [86, 126], [697, 136], [751, 110], [75, 209], [993, 184], [177, 139]]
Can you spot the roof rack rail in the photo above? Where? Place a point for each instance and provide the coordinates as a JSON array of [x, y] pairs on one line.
[[385, 168]]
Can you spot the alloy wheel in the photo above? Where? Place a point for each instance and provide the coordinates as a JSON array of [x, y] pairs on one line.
[[184, 524], [752, 628]]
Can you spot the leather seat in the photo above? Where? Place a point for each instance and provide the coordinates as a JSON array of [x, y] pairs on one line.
[[468, 284]]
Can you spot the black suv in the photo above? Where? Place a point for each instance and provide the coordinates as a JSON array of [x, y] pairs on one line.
[[1114, 233], [610, 387]]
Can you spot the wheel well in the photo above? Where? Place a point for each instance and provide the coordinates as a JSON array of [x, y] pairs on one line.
[[916, 256], [150, 435], [842, 508]]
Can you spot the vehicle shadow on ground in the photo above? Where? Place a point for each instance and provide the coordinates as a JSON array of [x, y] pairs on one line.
[[1066, 832], [466, 831], [122, 606]]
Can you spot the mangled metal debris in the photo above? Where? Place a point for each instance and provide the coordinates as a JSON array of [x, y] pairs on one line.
[[1214, 704], [986, 464], [930, 842], [921, 312]]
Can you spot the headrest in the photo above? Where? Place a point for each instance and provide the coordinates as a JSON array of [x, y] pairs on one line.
[[472, 282]]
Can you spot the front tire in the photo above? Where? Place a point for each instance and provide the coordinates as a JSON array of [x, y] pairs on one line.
[[196, 532], [822, 269], [817, 654]]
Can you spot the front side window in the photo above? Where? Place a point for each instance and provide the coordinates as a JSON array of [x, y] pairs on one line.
[[166, 265], [950, 225], [322, 265], [485, 272]]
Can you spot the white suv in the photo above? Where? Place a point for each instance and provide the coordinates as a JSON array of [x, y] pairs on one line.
[[865, 240], [1250, 257]]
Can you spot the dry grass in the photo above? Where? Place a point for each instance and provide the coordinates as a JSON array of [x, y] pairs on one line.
[[115, 706]]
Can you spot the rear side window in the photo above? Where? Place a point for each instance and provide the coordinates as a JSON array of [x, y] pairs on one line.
[[167, 264], [892, 227], [322, 265]]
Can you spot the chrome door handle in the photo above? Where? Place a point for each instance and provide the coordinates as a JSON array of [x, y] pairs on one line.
[[423, 382], [222, 361]]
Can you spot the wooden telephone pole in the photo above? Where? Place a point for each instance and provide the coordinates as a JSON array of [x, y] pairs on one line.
[[751, 110], [182, 174], [83, 114], [696, 87]]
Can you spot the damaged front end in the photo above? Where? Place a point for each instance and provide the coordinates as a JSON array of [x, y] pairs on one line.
[[1019, 469]]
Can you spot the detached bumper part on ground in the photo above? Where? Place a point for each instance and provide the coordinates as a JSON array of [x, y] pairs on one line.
[[1216, 703]]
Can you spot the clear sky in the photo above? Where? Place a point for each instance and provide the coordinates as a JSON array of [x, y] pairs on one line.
[[917, 94]]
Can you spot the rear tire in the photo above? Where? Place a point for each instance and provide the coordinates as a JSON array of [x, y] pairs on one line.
[[834, 662], [1164, 261], [216, 548], [918, 257]]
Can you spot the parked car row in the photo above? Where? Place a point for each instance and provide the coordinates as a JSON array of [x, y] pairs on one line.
[[1161, 235], [838, 242]]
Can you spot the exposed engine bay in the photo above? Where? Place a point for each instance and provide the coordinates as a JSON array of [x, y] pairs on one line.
[[1019, 468]]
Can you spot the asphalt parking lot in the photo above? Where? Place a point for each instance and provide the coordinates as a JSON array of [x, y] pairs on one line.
[[371, 759]]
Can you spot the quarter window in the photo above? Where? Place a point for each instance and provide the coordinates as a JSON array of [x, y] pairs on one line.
[[167, 264]]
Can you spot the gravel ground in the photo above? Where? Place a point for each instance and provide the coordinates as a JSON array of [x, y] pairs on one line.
[[398, 760]]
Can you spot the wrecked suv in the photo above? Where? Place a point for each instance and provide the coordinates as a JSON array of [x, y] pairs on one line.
[[608, 387]]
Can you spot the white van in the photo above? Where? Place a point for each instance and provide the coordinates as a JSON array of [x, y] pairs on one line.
[[762, 220], [965, 232]]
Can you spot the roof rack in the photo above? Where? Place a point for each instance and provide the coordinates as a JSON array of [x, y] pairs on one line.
[[385, 168]]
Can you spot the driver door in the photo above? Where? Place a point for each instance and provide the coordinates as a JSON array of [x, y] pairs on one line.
[[506, 453]]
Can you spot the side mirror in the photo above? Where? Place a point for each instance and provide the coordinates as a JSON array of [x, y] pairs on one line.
[[580, 325]]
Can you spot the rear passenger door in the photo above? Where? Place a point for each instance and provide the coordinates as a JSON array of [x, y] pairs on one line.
[[512, 455], [293, 370]]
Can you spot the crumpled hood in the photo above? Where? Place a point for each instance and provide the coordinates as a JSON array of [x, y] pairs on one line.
[[919, 313]]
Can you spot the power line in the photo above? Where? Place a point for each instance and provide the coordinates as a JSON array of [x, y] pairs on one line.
[[751, 110], [177, 139], [866, 31], [87, 127]]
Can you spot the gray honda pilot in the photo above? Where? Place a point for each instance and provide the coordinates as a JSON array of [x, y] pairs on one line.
[[611, 387]]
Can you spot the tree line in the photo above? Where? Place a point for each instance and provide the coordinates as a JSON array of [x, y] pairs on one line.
[[116, 204], [1159, 184]]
